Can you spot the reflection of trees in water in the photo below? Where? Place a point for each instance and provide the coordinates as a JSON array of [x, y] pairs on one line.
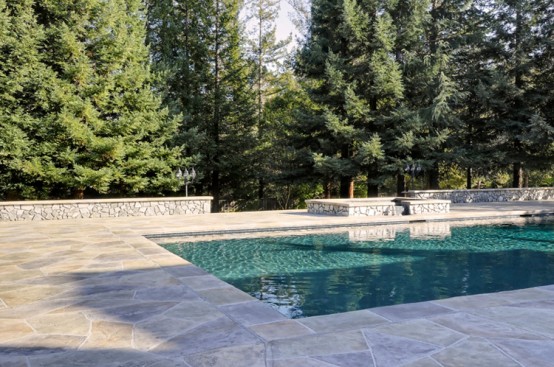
[[435, 277], [317, 274]]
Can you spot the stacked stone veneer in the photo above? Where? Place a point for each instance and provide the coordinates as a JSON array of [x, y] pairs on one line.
[[107, 208], [427, 206], [376, 207], [348, 208], [486, 195]]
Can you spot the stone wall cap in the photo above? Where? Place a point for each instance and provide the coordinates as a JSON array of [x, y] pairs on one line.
[[425, 201], [99, 201], [482, 190], [384, 201]]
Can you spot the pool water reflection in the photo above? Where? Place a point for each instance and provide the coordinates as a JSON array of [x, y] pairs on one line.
[[318, 274]]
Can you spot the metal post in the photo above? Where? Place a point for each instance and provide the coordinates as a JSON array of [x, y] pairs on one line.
[[187, 177]]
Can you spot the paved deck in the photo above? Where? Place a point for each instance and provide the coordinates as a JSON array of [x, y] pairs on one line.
[[97, 293]]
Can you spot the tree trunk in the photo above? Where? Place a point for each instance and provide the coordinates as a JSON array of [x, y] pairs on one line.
[[400, 184], [469, 177], [327, 190], [372, 190], [78, 194], [345, 183], [261, 189], [517, 175], [434, 179]]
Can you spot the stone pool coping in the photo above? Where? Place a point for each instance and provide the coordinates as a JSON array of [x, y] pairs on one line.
[[95, 292]]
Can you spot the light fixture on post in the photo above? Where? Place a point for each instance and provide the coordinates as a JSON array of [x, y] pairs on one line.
[[188, 177]]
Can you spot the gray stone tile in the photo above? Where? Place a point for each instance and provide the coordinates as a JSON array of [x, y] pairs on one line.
[[316, 345], [473, 325], [106, 334], [55, 280], [343, 321], [220, 333], [185, 271], [549, 288], [20, 275], [471, 302], [201, 311], [118, 256], [252, 313], [14, 329], [169, 293], [114, 290], [421, 330], [74, 305], [281, 330], [531, 353], [150, 333], [241, 356], [93, 358], [151, 361], [411, 311], [532, 319], [31, 294], [225, 296], [61, 323], [203, 282], [301, 362], [40, 345], [423, 362], [530, 294], [131, 313], [392, 351], [547, 304], [37, 264], [473, 353], [143, 278], [360, 359], [13, 361]]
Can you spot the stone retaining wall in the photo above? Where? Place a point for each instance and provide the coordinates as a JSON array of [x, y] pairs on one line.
[[426, 206], [103, 208], [486, 195], [351, 207], [376, 207]]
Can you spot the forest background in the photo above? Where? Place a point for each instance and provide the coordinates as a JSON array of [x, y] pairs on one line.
[[372, 97]]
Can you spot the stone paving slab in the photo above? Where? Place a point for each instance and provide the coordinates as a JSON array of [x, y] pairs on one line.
[[97, 293]]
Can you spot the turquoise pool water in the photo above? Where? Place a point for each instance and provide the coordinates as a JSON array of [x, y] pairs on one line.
[[320, 274]]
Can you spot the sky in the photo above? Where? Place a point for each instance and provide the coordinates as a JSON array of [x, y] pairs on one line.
[[283, 23]]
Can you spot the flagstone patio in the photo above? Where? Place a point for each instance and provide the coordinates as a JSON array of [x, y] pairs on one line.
[[96, 292]]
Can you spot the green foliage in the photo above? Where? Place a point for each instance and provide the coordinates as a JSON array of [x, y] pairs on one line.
[[205, 79], [461, 88], [82, 105]]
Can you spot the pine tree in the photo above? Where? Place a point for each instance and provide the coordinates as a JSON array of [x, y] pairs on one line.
[[204, 75], [337, 59], [97, 125], [23, 95], [267, 55], [520, 106]]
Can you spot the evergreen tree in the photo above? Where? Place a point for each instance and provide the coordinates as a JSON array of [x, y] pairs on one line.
[[23, 95], [205, 77], [520, 43], [337, 61], [92, 121]]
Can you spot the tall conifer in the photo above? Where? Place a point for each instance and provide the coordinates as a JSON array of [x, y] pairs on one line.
[[93, 122]]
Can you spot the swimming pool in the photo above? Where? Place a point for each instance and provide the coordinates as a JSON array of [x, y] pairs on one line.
[[325, 273]]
